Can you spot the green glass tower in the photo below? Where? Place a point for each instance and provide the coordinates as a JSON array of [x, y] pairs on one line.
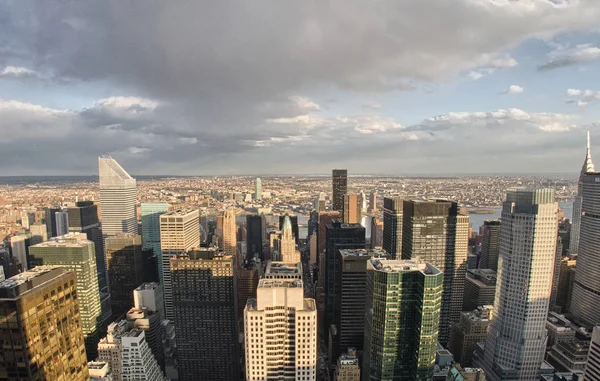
[[74, 252], [402, 317]]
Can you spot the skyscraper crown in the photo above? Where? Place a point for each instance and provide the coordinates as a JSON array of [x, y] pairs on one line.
[[588, 164]]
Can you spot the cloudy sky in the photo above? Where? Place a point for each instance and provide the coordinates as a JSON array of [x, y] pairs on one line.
[[265, 87]]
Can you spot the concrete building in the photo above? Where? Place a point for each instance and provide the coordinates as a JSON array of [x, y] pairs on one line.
[[247, 283], [392, 226], [372, 202], [515, 346], [179, 232], [352, 208], [125, 269], [348, 329], [402, 318], [438, 233], [128, 355], [118, 197], [205, 315], [569, 356], [100, 371], [490, 245], [76, 253], [560, 329], [229, 233], [283, 270], [592, 371], [339, 179], [41, 333], [480, 288], [39, 233], [458, 373], [19, 249], [280, 328], [347, 368], [464, 335], [151, 213], [258, 189], [376, 232], [565, 283], [287, 243]]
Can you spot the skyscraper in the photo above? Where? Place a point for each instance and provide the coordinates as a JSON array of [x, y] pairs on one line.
[[515, 346], [258, 189], [592, 370], [280, 328], [372, 202], [340, 188], [151, 213], [41, 333], [324, 219], [490, 245], [471, 329], [376, 232], [125, 269], [585, 300], [76, 253], [229, 233], [347, 368], [287, 244], [392, 226], [587, 167], [83, 218], [353, 208], [117, 198], [254, 237], [179, 232], [204, 304], [294, 221], [401, 321], [436, 232]]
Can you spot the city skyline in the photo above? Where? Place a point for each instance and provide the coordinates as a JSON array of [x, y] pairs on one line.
[[494, 85]]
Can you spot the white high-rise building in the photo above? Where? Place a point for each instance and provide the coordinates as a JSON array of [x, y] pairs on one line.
[[588, 167], [117, 198], [128, 354], [179, 232], [280, 328], [516, 341], [258, 189]]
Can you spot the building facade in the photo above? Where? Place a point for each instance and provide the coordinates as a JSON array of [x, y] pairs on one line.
[[254, 237], [515, 346], [280, 329], [402, 318], [339, 188], [352, 208], [438, 233], [490, 245], [480, 288], [41, 333], [470, 330], [151, 213], [118, 197], [592, 371], [392, 226]]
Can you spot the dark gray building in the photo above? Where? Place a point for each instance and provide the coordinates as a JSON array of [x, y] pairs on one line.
[[490, 245], [254, 237], [340, 188], [205, 311], [392, 226], [480, 288], [436, 232]]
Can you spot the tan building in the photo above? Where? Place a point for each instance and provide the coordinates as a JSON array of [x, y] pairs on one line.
[[280, 328], [352, 208], [41, 333], [347, 368], [464, 335], [179, 232], [229, 233]]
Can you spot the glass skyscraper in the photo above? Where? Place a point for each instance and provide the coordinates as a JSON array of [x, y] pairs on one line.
[[151, 213], [117, 198]]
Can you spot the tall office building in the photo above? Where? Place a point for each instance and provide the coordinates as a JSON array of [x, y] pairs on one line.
[[41, 333], [585, 300], [353, 208], [280, 328], [76, 253], [151, 213], [480, 288], [470, 330], [324, 219], [118, 198], [588, 167], [229, 233], [565, 283], [83, 218], [204, 304], [402, 317], [438, 233], [349, 310], [254, 237], [592, 370], [514, 349], [294, 221], [128, 354], [179, 232], [247, 282], [19, 249], [339, 236], [376, 232], [258, 189], [125, 268], [490, 245], [61, 222], [39, 233], [392, 226], [373, 202], [340, 188], [347, 368], [287, 243]]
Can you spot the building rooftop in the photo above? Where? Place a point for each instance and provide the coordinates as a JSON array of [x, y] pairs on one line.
[[12, 287], [285, 283], [405, 265], [375, 253], [148, 286], [67, 240], [283, 268], [179, 212]]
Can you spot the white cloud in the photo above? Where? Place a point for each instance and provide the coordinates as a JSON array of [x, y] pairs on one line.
[[490, 64], [573, 92], [372, 105], [586, 96], [562, 57], [18, 72], [513, 89]]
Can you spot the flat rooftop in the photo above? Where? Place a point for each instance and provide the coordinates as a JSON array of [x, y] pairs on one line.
[[283, 268], [148, 286], [19, 284], [179, 212], [285, 283], [67, 240], [375, 253], [404, 265]]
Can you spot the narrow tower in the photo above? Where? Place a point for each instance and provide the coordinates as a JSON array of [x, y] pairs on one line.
[[117, 198], [587, 167]]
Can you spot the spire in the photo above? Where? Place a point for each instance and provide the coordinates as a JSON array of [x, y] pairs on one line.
[[287, 225], [588, 164]]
